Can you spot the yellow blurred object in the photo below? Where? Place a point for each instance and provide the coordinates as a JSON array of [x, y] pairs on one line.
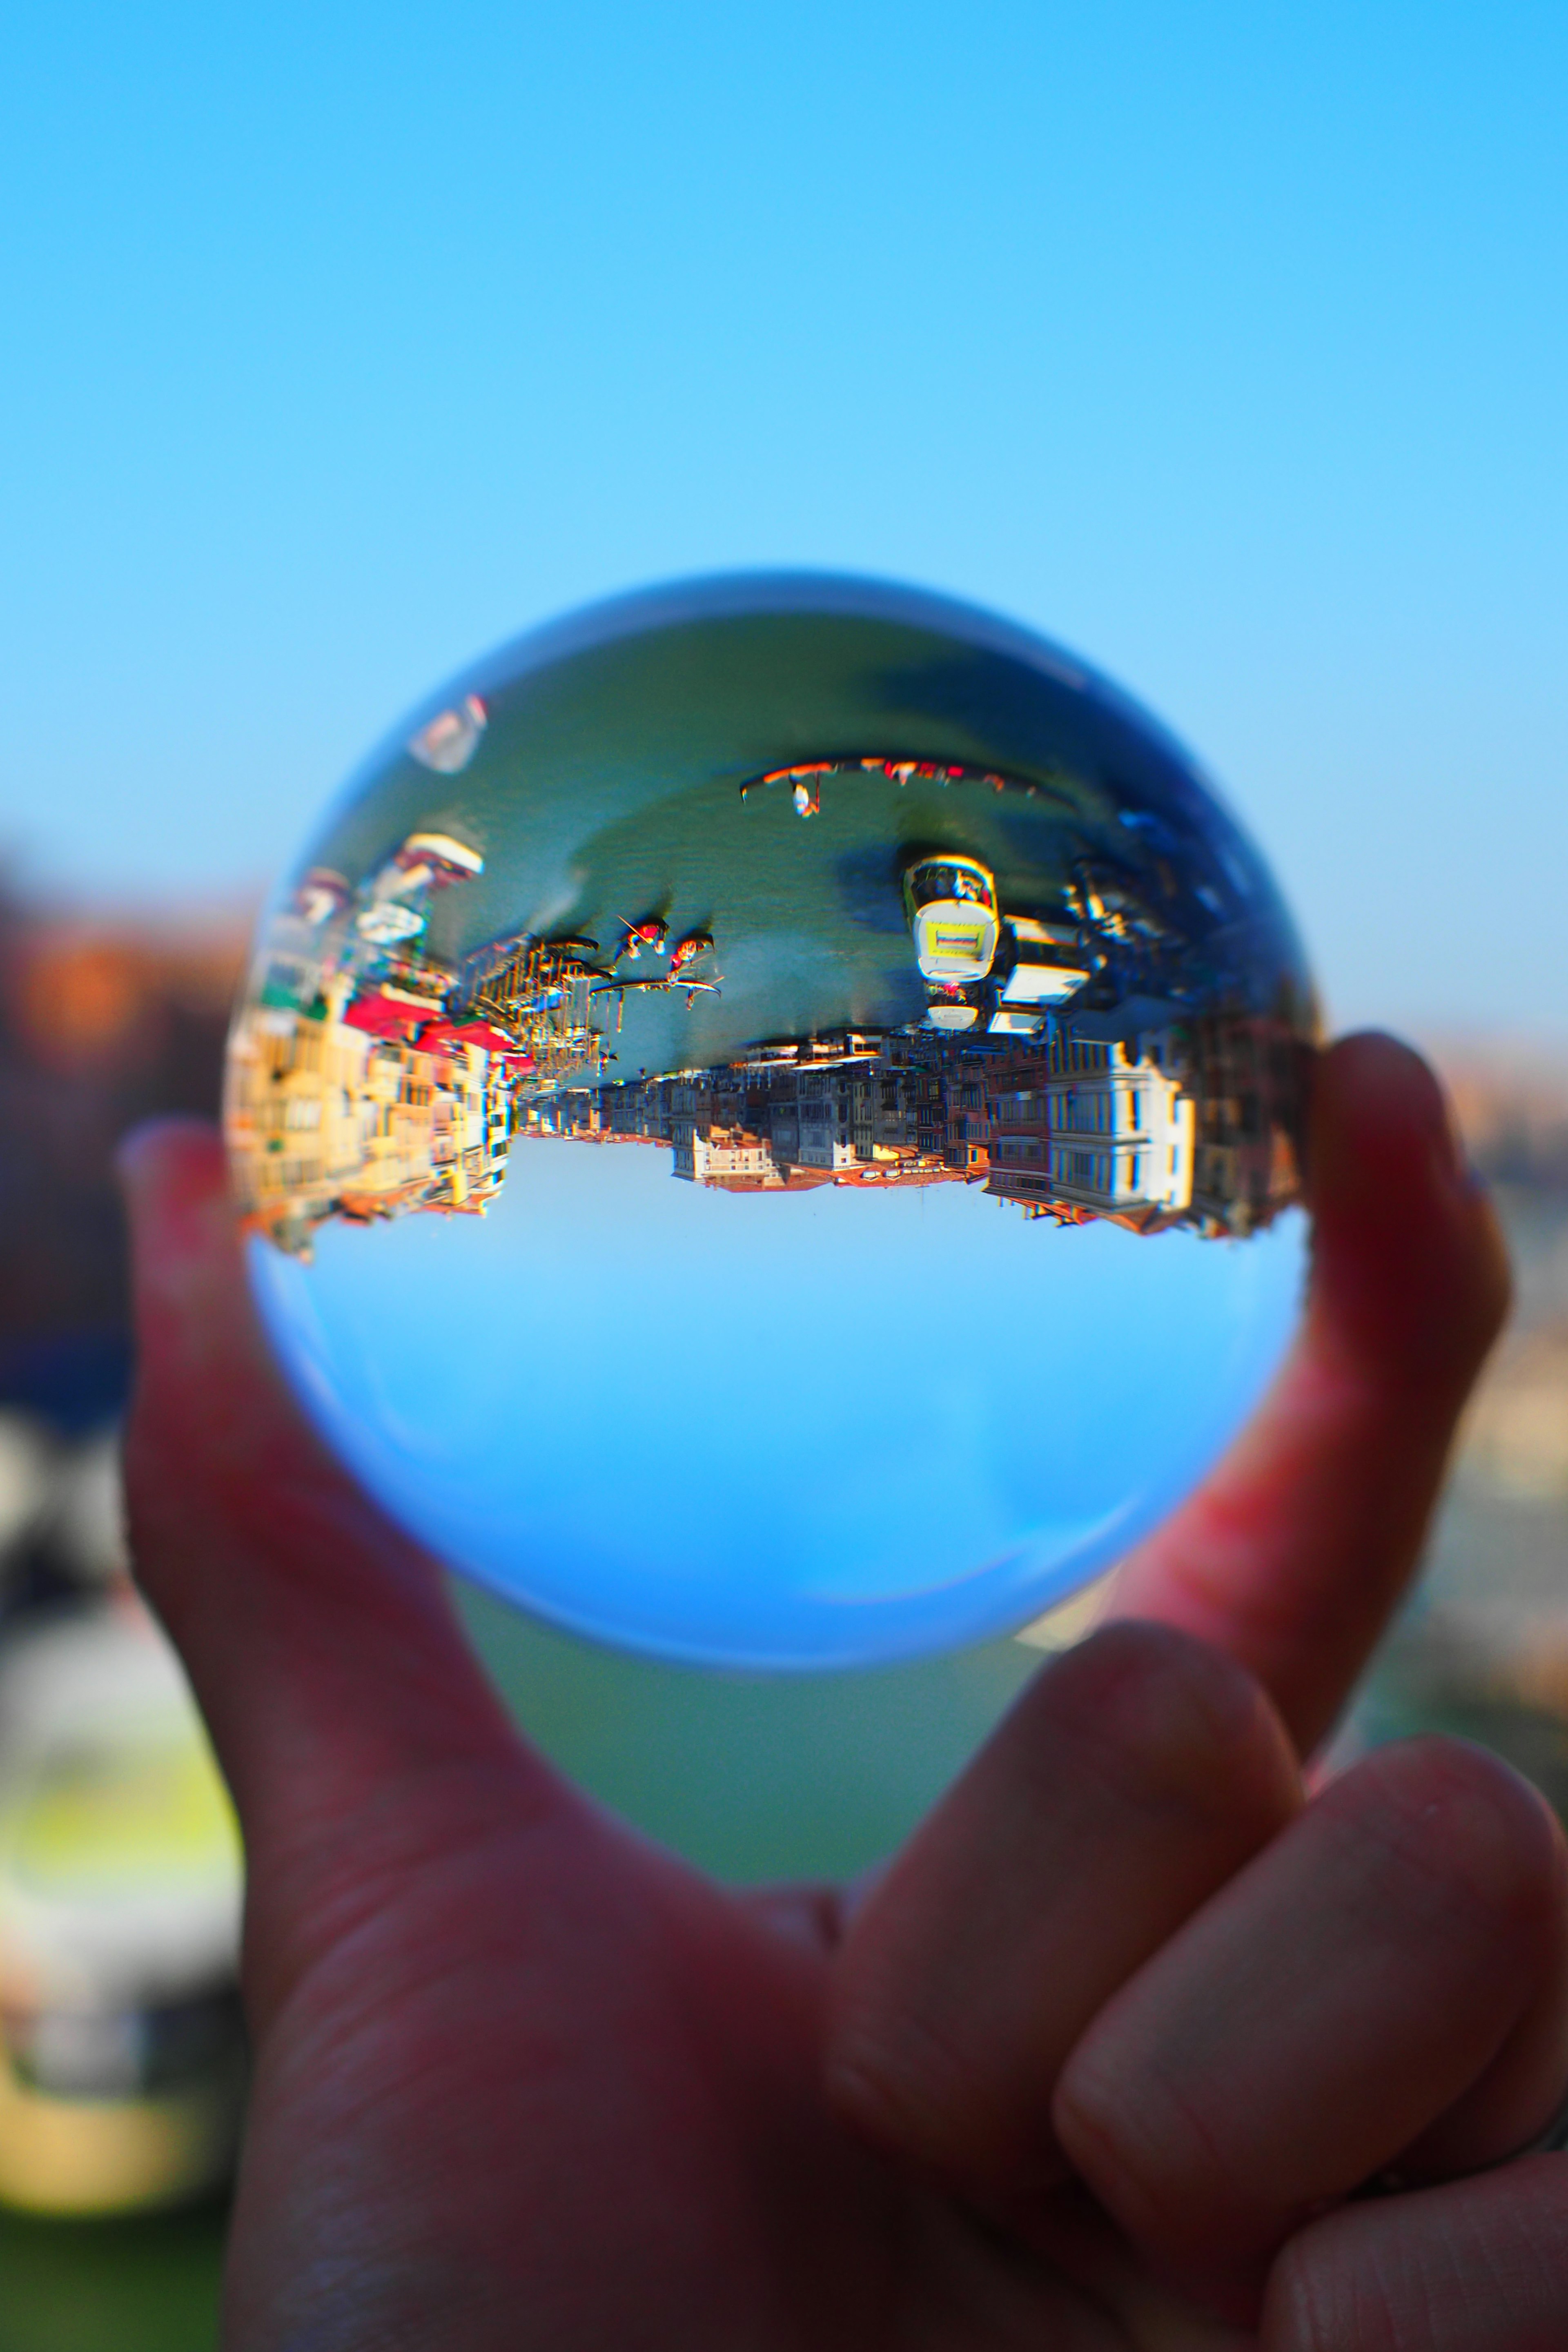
[[98, 1820], [121, 2057], [122, 2156], [1071, 1621]]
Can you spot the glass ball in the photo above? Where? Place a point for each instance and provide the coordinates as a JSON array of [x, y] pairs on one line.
[[769, 1123]]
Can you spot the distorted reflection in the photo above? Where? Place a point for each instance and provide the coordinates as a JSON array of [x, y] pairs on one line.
[[1092, 1053], [850, 998]]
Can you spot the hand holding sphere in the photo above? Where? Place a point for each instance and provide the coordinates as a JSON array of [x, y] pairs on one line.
[[521, 2078], [792, 1046]]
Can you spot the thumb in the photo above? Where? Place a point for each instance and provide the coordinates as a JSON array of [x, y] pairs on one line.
[[326, 1659]]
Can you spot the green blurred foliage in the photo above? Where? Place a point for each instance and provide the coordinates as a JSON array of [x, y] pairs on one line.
[[147, 2284]]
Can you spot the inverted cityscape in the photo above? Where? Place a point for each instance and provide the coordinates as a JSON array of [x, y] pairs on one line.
[[1098, 1047]]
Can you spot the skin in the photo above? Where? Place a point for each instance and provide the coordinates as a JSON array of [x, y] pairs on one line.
[[1096, 2063]]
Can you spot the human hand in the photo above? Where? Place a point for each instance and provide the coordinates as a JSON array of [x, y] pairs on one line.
[[1094, 2066]]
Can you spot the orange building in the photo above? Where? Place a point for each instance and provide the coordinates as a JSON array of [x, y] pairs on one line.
[[327, 1119]]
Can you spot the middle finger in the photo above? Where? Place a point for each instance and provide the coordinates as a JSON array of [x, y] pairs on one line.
[[1132, 1778]]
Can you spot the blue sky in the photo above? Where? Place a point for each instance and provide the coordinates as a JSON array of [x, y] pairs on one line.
[[827, 1428], [1226, 343]]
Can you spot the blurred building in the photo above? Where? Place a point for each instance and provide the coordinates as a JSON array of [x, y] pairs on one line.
[[102, 1024], [121, 2054], [1510, 1099], [1483, 1651]]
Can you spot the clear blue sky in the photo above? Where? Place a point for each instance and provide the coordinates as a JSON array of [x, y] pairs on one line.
[[1226, 342], [824, 1429]]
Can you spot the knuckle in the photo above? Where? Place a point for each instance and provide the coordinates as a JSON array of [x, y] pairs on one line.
[[1169, 1719], [898, 2080], [1464, 1830], [1321, 2298]]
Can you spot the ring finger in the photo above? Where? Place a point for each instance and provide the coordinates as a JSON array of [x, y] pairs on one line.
[[1383, 1986]]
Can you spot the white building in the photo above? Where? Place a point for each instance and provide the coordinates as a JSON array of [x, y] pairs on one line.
[[1121, 1139], [821, 1148], [1117, 1139], [724, 1155]]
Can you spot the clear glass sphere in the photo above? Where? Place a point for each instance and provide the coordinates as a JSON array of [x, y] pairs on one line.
[[768, 1119]]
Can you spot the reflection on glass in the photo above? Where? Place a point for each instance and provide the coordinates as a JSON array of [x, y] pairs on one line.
[[1019, 960]]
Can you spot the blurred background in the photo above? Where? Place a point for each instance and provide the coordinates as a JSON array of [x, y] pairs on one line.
[[1225, 345]]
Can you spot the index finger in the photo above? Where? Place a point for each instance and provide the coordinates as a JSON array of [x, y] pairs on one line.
[[1292, 1555]]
